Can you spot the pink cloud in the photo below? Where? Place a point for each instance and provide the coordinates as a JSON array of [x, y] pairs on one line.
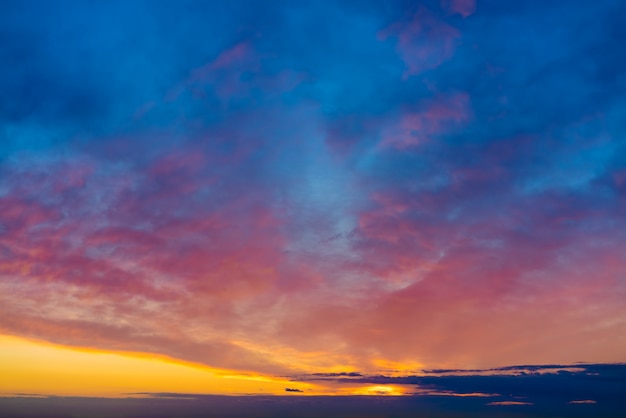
[[208, 273], [148, 249], [223, 76], [424, 42], [440, 116], [226, 58], [479, 290], [463, 7], [619, 179]]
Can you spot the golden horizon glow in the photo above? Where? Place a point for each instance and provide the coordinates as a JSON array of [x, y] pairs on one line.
[[42, 368], [380, 390], [39, 368]]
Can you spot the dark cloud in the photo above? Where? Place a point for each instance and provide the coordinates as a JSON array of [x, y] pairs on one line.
[[352, 374], [532, 383]]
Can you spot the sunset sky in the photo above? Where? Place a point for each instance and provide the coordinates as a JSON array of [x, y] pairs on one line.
[[308, 197]]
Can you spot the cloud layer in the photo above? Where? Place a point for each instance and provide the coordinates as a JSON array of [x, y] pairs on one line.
[[315, 188]]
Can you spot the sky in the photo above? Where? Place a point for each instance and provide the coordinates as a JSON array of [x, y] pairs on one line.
[[248, 197]]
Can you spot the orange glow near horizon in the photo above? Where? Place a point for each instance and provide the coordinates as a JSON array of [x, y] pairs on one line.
[[41, 368], [37, 368], [395, 368], [380, 390]]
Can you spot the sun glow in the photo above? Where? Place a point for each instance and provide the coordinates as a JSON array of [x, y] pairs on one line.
[[380, 390]]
